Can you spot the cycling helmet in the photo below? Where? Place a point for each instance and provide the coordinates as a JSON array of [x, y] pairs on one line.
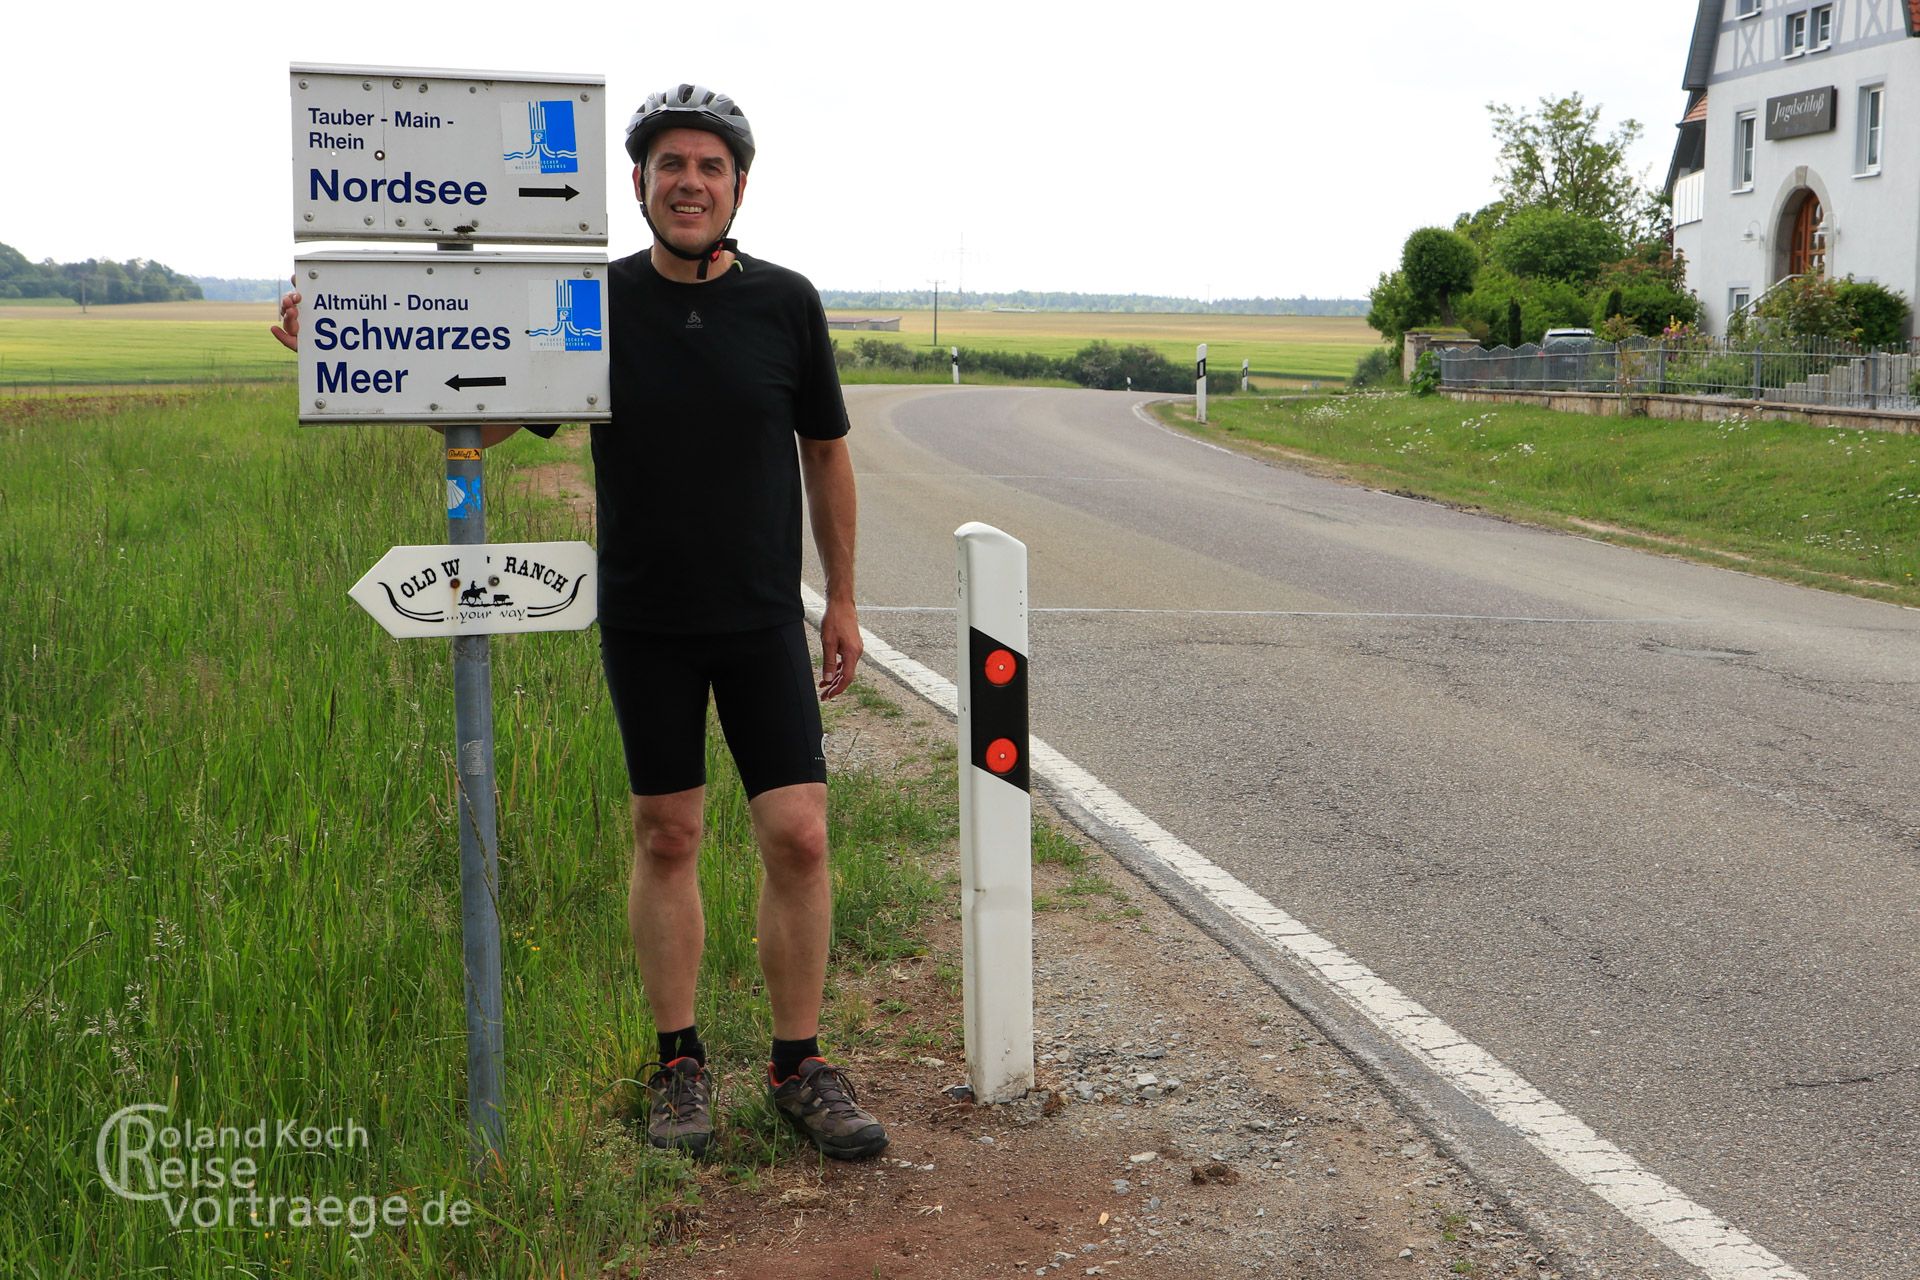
[[691, 106]]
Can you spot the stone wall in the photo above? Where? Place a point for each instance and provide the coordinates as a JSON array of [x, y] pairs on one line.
[[1697, 409]]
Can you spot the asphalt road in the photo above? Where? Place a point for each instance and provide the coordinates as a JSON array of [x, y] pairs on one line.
[[1644, 830]]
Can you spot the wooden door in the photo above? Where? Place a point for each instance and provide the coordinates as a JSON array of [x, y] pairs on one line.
[[1807, 249]]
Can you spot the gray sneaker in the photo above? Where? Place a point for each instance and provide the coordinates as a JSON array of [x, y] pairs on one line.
[[821, 1104], [679, 1116]]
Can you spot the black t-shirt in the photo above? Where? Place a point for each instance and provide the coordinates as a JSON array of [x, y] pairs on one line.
[[697, 475]]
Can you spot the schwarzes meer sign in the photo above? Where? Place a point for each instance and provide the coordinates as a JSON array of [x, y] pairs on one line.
[[1800, 114]]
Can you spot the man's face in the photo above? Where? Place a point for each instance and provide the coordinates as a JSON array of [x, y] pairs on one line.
[[689, 189]]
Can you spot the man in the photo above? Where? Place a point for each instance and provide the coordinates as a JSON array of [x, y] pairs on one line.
[[719, 362]]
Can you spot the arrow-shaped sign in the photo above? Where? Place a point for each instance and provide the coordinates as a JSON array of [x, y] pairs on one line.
[[548, 193], [459, 383], [483, 589]]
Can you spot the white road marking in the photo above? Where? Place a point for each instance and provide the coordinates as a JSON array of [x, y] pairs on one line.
[[1663, 1211], [1286, 613]]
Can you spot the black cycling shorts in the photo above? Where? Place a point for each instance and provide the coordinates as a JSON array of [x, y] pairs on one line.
[[763, 687]]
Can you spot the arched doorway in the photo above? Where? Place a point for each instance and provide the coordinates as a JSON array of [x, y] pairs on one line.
[[1804, 228]]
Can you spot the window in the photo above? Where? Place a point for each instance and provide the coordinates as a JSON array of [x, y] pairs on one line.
[[1796, 33], [1744, 128], [1872, 127], [1820, 27], [1746, 8], [1738, 300]]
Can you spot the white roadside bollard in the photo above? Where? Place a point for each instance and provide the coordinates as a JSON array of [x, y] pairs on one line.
[[1200, 384], [996, 813], [1246, 373], [956, 364]]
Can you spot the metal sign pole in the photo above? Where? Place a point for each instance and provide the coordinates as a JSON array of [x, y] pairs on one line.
[[479, 846]]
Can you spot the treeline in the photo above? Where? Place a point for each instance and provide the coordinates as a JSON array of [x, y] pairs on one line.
[[1024, 300], [222, 289], [99, 281], [1099, 365]]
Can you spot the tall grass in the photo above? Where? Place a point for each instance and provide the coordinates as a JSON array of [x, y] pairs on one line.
[[229, 865]]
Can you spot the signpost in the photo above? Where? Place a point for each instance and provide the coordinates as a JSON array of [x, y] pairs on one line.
[[955, 353], [459, 339], [436, 337], [402, 153]]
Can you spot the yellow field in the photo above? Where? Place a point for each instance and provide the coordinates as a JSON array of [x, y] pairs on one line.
[[199, 312], [49, 345], [1293, 347]]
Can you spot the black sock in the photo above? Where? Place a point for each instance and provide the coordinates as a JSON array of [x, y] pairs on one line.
[[682, 1044], [789, 1054]]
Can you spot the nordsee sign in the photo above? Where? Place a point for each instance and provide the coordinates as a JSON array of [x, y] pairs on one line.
[[1799, 115], [468, 337], [398, 153]]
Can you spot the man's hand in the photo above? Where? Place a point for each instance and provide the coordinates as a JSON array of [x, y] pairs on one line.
[[840, 648], [288, 330]]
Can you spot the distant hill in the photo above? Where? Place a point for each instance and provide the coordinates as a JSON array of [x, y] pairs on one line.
[[96, 282], [922, 300], [221, 289]]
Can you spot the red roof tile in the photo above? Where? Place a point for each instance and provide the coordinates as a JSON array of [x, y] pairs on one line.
[[1699, 109]]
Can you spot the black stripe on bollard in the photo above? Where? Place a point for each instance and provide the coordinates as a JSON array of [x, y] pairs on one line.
[[997, 706]]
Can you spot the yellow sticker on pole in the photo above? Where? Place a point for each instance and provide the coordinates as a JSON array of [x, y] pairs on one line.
[[463, 455]]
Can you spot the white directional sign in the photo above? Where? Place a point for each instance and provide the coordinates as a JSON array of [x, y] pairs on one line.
[[453, 337], [399, 153], [484, 589]]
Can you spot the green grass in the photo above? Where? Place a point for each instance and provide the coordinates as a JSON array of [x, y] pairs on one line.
[[72, 349], [1831, 508], [228, 864]]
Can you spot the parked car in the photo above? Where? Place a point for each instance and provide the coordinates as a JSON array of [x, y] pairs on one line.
[[1566, 338]]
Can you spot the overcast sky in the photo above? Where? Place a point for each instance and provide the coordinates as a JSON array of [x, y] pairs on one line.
[[1217, 149]]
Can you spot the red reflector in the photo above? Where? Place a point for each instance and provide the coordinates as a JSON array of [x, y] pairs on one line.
[[1002, 666], [1002, 755]]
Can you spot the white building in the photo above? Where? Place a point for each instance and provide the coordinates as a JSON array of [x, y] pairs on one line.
[[1800, 148]]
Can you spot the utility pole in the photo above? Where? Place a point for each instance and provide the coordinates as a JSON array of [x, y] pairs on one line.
[[936, 313]]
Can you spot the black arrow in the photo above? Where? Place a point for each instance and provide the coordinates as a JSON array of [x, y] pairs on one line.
[[548, 193], [458, 383]]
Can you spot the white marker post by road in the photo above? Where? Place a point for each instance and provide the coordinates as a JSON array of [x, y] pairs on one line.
[[1245, 373], [956, 365], [1200, 383], [996, 813]]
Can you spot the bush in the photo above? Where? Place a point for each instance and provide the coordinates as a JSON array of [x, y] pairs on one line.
[[1378, 368], [1806, 307], [1426, 374], [1877, 315], [1651, 306]]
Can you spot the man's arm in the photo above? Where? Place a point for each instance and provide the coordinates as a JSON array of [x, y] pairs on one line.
[[827, 471]]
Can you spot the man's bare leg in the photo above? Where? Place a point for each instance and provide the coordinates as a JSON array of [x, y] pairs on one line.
[[796, 904], [663, 902]]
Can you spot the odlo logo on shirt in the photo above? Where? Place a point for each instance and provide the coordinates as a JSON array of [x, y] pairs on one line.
[[693, 320]]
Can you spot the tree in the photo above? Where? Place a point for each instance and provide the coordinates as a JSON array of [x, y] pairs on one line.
[[1437, 264], [1555, 245], [1556, 157], [1393, 309]]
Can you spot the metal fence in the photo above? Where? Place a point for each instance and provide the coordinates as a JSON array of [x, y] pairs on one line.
[[1810, 372]]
